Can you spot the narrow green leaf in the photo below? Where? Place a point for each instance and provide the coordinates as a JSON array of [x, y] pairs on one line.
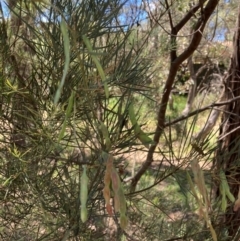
[[66, 44], [84, 194], [68, 114], [6, 182], [98, 65]]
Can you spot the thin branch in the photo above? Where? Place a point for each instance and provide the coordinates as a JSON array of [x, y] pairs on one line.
[[228, 133], [187, 17], [197, 36], [181, 118], [174, 66]]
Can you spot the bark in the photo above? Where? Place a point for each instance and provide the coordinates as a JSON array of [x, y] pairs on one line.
[[227, 157], [176, 61]]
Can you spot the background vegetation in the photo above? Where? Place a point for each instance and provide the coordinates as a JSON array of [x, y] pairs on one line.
[[141, 83]]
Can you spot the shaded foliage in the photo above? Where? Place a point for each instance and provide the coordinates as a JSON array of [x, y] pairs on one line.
[[44, 145], [78, 79]]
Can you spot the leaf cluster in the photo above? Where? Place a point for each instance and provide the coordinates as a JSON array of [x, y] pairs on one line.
[[66, 67]]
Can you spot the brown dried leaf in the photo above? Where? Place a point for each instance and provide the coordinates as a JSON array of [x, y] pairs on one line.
[[109, 209], [106, 194], [116, 203], [109, 163], [107, 178], [107, 182], [116, 183]]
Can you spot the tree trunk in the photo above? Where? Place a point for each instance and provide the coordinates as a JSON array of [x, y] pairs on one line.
[[176, 61], [228, 155]]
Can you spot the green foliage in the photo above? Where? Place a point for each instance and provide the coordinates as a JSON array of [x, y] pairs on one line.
[[65, 97], [77, 86]]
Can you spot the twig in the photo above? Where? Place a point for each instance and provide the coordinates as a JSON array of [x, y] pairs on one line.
[[181, 118], [221, 137]]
